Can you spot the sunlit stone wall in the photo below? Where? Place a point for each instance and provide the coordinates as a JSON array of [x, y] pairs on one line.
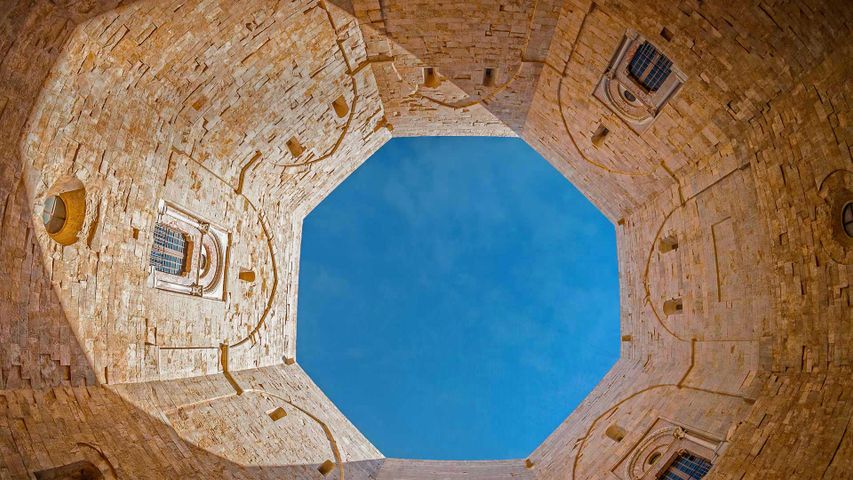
[[735, 279]]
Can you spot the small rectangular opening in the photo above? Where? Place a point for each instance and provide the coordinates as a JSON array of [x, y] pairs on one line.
[[295, 147], [277, 414], [340, 106], [666, 34], [246, 275], [599, 136], [489, 77], [627, 338], [326, 467], [668, 244], [673, 306], [431, 77]]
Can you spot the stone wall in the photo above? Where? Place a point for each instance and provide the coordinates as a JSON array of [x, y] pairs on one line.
[[187, 428], [752, 318], [248, 114]]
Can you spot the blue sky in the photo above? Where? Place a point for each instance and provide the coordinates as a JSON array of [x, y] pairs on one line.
[[458, 298]]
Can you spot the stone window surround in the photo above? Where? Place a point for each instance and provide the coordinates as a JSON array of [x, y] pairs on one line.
[[203, 238], [617, 83]]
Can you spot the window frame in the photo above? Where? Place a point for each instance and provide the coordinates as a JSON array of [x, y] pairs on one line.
[[688, 441], [164, 234], [680, 474], [199, 236], [656, 66]]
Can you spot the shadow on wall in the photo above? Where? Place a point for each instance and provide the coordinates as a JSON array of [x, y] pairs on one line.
[[39, 344], [498, 70], [109, 438], [58, 419]]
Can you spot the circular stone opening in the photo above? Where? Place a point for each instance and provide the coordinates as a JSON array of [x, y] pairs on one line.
[[629, 96], [847, 219], [64, 210]]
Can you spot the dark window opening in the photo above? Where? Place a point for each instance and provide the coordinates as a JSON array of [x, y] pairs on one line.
[[247, 275], [489, 77], [295, 147], [650, 67], [431, 77], [615, 432], [326, 467], [82, 470], [668, 244], [673, 306], [169, 251], [340, 106], [847, 219], [54, 214], [686, 466], [599, 136]]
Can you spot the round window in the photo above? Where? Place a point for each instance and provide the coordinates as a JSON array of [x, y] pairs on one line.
[[63, 211], [54, 214], [629, 96], [847, 219]]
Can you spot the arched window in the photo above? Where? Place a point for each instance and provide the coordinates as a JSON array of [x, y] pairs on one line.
[[639, 81], [188, 254]]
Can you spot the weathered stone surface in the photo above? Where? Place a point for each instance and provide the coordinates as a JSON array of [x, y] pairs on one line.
[[232, 110]]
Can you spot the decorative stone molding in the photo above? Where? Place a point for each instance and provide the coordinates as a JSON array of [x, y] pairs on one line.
[[205, 259], [655, 451], [637, 105]]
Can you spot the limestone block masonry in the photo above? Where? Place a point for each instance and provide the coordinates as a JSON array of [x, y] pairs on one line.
[[735, 268]]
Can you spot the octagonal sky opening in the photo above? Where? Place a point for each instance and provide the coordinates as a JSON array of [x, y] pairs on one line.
[[458, 298]]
